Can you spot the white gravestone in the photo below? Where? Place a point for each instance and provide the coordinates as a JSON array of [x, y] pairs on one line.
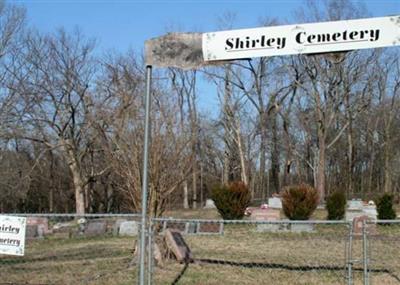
[[128, 228], [275, 203], [370, 212], [355, 204], [356, 208], [209, 204], [12, 235]]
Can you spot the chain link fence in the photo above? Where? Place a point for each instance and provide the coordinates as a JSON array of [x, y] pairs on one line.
[[71, 249], [382, 247], [253, 252], [103, 249]]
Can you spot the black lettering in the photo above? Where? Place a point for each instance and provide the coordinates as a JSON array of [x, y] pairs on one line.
[[281, 43], [374, 35], [229, 44], [239, 44], [299, 37], [323, 38], [353, 35], [270, 42], [311, 38], [345, 35]]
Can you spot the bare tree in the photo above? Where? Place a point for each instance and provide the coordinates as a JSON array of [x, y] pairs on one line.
[[52, 76]]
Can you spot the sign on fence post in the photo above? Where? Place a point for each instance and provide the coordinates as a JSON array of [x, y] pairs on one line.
[[12, 235]]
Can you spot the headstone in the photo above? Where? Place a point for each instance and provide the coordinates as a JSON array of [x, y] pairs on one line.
[[275, 203], [301, 228], [211, 228], [266, 215], [354, 209], [355, 204], [117, 225], [32, 231], [209, 204], [191, 228], [358, 225], [351, 214], [95, 228], [371, 212], [128, 228], [62, 227], [178, 246], [39, 221]]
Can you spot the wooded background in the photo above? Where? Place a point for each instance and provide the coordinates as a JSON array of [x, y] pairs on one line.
[[71, 122]]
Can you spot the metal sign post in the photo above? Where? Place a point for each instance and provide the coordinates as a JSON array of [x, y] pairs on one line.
[[145, 175]]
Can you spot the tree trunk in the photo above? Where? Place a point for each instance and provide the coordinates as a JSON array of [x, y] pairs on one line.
[[263, 150], [185, 195], [77, 180], [387, 169], [194, 185], [320, 183], [275, 155]]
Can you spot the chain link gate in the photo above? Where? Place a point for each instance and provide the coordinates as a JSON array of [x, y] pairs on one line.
[[381, 252]]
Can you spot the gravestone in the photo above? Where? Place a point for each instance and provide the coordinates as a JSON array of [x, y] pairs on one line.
[[302, 227], [275, 203], [210, 228], [371, 212], [117, 225], [358, 225], [354, 209], [32, 231], [355, 204], [62, 227], [178, 246], [210, 204], [95, 228], [266, 215], [128, 228], [42, 223]]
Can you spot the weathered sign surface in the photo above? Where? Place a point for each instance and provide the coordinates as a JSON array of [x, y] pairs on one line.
[[12, 235], [181, 50]]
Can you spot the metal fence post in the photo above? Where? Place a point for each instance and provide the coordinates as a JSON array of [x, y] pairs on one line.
[[151, 252], [365, 254], [145, 176], [350, 257]]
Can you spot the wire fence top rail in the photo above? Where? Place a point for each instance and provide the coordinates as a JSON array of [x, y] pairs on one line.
[[336, 222], [47, 215]]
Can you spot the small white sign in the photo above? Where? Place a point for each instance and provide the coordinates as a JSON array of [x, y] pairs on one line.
[[12, 235], [302, 38]]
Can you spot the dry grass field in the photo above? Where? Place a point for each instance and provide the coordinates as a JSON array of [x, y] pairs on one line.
[[242, 255], [71, 261]]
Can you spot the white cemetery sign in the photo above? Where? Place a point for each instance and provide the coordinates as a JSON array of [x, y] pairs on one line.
[[302, 38], [12, 235]]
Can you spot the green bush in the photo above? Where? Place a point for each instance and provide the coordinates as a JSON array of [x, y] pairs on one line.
[[299, 201], [384, 206], [231, 200], [336, 205]]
